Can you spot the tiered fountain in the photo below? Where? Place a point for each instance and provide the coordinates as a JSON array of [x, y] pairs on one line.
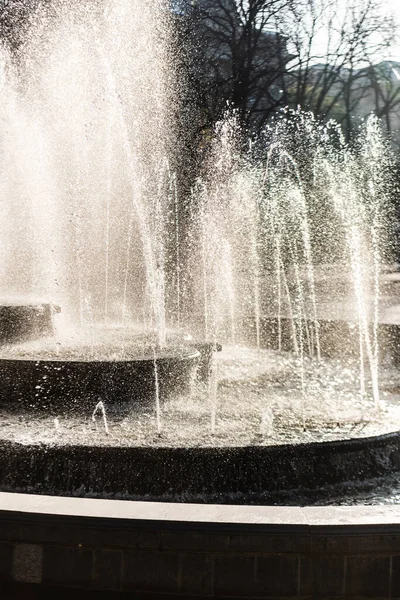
[[279, 239]]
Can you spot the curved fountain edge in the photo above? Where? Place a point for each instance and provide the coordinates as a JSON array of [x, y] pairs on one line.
[[191, 474], [204, 551], [64, 383]]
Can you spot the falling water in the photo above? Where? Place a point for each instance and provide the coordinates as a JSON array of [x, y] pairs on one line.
[[266, 422], [213, 395], [100, 408], [91, 213], [293, 223], [157, 394], [85, 137]]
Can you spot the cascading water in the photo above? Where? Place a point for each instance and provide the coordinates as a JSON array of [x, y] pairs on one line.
[[301, 205], [83, 145], [100, 408], [91, 220]]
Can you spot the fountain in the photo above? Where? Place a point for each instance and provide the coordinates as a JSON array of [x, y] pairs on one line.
[[117, 299]]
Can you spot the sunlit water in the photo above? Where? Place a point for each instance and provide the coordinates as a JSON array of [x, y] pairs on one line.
[[258, 401], [91, 219]]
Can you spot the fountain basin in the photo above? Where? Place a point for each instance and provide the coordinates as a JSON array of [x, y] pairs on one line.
[[20, 322], [62, 385], [261, 433], [206, 474], [337, 337]]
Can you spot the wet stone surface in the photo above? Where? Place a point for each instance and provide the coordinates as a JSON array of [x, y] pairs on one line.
[[254, 398]]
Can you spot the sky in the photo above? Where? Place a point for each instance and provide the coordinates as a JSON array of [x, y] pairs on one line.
[[394, 7]]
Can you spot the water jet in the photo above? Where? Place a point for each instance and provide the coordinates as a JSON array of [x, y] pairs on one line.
[[269, 242]]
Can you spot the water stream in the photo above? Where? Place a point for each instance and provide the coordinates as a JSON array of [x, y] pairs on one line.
[[91, 214]]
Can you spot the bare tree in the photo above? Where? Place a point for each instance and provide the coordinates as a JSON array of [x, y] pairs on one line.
[[260, 55], [240, 57], [384, 96], [334, 43]]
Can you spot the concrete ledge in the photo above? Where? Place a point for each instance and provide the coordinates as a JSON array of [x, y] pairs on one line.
[[205, 551]]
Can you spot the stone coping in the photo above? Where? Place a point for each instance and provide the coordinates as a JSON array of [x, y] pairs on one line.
[[26, 506], [83, 546]]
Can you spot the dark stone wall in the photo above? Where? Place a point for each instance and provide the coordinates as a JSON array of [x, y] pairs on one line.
[[191, 473], [48, 554], [337, 338], [25, 322], [59, 386]]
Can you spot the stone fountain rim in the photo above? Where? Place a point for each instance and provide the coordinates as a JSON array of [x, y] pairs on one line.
[[36, 526], [185, 474], [182, 356], [339, 444], [248, 517]]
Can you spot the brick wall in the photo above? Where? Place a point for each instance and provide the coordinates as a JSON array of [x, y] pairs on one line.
[[216, 559]]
